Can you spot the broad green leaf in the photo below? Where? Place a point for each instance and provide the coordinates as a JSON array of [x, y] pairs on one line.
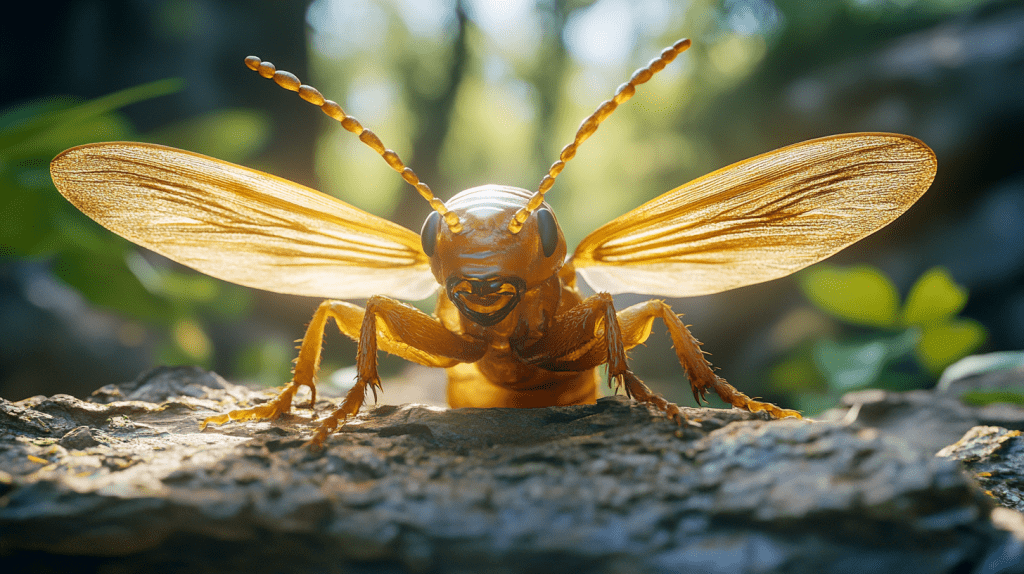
[[860, 294], [31, 134], [849, 367], [943, 344], [35, 153], [933, 298]]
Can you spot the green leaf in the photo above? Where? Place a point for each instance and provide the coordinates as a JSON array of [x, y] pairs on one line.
[[860, 294], [31, 134], [19, 127], [933, 298], [849, 367], [943, 344]]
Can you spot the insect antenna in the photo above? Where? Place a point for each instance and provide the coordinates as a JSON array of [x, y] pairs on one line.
[[288, 81], [589, 126]]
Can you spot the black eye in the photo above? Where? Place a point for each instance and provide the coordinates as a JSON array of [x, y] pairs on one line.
[[548, 231], [428, 235]]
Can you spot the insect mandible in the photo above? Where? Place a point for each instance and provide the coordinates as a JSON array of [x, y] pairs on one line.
[[510, 325]]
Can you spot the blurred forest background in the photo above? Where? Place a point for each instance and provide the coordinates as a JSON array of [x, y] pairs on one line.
[[476, 91]]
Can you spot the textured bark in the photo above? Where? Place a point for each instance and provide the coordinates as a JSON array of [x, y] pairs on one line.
[[127, 481]]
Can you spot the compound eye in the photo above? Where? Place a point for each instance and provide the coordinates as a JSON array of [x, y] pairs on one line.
[[548, 231], [428, 235]]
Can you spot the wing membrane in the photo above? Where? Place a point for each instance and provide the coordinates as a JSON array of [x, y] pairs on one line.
[[759, 219], [242, 225]]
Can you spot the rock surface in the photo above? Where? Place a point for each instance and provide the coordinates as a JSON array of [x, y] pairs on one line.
[[921, 419], [127, 482], [995, 456]]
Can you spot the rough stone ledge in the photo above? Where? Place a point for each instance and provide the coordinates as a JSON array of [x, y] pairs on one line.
[[127, 482]]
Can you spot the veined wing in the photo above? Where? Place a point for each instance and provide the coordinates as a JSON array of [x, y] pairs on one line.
[[759, 219], [242, 225]]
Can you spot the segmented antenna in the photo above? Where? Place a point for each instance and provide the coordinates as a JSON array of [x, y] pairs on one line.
[[288, 81], [589, 126]]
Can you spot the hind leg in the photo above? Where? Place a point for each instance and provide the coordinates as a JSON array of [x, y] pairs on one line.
[[636, 326]]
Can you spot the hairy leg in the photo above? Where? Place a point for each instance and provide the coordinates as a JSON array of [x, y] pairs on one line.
[[303, 375], [593, 333], [402, 330], [398, 328], [636, 325]]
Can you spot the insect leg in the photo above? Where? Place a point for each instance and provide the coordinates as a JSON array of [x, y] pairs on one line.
[[399, 329], [592, 333], [350, 319], [636, 326], [304, 374], [589, 335]]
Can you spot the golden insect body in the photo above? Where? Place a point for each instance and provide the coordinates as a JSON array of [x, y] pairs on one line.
[[510, 326]]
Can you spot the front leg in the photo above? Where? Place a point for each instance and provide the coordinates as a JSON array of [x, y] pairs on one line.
[[402, 330], [399, 329]]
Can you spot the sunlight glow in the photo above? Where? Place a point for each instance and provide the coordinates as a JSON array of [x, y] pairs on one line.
[[341, 27], [428, 18], [602, 34], [513, 25]]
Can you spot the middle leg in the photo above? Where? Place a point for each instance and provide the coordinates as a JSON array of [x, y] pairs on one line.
[[593, 333]]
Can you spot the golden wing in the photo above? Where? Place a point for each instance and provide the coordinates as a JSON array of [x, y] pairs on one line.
[[242, 225], [759, 219]]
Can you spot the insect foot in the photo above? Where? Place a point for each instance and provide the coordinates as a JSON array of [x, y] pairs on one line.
[[638, 391], [731, 395], [275, 408], [349, 407]]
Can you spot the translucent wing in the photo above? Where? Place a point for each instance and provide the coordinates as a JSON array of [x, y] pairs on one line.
[[759, 219], [242, 225]]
